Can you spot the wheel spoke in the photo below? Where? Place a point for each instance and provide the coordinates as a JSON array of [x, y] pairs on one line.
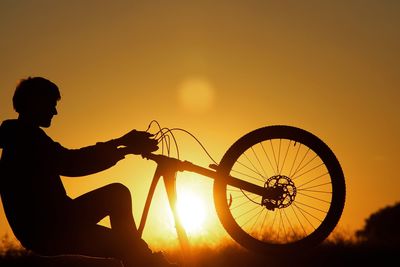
[[266, 155], [295, 158], [313, 180], [258, 217], [252, 177], [298, 220], [252, 164], [245, 213], [316, 198], [311, 207], [288, 220], [258, 160], [296, 177], [302, 188], [315, 191], [301, 161], [303, 212], [244, 202], [279, 155], [286, 154], [276, 162]]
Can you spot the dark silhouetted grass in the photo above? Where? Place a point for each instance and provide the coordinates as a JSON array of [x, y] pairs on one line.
[[331, 253]]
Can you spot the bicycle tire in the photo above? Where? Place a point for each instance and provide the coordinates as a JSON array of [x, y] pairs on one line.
[[325, 198]]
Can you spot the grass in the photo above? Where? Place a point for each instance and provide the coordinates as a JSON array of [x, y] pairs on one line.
[[337, 252]]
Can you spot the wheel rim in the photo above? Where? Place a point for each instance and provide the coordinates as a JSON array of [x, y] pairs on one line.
[[298, 169]]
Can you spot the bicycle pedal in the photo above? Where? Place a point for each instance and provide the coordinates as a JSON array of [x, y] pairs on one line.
[[213, 166]]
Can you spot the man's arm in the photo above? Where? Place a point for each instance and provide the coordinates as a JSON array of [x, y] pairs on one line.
[[99, 157]]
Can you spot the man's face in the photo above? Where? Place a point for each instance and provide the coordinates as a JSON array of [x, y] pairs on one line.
[[43, 111]]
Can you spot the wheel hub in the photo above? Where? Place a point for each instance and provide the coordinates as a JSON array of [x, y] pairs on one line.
[[280, 192]]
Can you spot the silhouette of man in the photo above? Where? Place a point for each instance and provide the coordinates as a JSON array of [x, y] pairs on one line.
[[41, 214]]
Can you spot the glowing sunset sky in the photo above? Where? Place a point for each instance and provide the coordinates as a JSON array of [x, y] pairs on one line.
[[218, 69]]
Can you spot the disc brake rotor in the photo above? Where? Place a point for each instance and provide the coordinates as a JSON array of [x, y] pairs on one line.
[[281, 192]]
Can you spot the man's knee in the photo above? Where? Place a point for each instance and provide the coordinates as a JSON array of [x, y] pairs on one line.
[[118, 189]]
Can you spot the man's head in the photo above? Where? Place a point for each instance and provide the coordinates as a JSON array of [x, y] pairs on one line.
[[35, 99]]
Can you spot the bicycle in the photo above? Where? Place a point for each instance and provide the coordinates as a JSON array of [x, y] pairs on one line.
[[276, 189]]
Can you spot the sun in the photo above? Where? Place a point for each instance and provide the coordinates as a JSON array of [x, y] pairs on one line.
[[196, 94], [191, 211]]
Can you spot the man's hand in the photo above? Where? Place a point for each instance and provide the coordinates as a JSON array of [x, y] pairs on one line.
[[138, 142]]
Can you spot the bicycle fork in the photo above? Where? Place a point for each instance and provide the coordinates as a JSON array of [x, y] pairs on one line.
[[169, 177]]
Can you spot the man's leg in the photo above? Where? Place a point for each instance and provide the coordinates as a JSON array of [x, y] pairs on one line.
[[115, 201], [95, 241], [122, 241], [112, 200]]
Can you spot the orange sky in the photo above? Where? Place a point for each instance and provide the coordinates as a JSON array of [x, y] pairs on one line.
[[331, 68]]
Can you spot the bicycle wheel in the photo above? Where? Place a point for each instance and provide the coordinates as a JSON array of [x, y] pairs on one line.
[[304, 190]]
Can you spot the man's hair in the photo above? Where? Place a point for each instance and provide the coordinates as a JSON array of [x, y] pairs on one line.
[[34, 89]]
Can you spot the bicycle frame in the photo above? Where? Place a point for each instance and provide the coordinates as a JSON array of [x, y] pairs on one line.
[[167, 167]]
